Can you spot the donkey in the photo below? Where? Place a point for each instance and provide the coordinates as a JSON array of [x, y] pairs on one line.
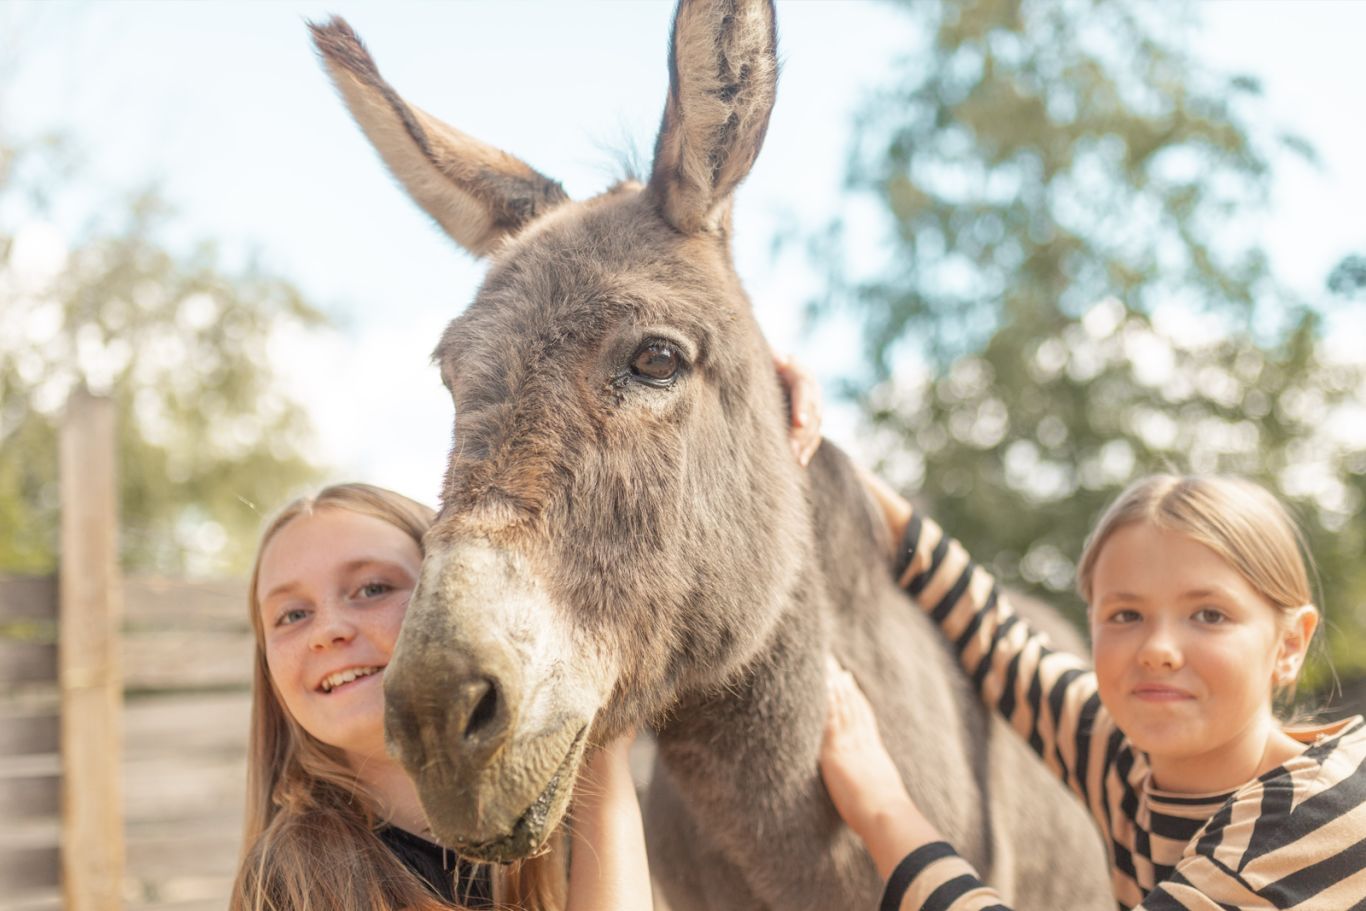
[[625, 539]]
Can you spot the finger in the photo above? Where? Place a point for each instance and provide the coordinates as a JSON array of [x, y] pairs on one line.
[[792, 378], [808, 399], [836, 713], [801, 405], [808, 448], [836, 698], [805, 410], [845, 686], [799, 387], [859, 706], [844, 696]]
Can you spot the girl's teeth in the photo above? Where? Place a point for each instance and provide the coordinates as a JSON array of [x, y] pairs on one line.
[[336, 680]]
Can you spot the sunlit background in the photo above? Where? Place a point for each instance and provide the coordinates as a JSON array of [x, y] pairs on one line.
[[1030, 252]]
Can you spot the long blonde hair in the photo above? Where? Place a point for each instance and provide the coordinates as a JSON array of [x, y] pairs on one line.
[[309, 842]]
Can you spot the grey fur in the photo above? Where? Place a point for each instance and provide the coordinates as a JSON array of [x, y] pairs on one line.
[[612, 553]]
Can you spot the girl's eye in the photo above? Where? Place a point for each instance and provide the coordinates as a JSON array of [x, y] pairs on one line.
[[1124, 616], [291, 616], [1210, 615], [374, 589]]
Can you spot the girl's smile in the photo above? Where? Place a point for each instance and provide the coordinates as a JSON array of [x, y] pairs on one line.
[[333, 587], [1154, 692], [348, 678]]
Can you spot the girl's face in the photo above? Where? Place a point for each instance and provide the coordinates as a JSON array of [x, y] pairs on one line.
[[333, 587], [1186, 651]]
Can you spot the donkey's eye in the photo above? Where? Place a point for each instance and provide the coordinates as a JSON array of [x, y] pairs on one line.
[[656, 364]]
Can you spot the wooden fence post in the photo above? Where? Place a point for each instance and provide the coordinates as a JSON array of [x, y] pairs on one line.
[[89, 672]]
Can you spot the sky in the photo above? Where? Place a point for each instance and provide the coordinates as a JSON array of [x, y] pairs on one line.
[[224, 107]]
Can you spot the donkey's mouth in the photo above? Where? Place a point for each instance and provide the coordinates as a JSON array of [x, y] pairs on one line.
[[528, 837]]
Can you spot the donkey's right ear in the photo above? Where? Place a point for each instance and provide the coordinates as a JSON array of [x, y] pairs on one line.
[[723, 73], [478, 194]]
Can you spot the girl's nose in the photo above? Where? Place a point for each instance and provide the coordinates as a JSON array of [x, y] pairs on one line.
[[331, 627], [1160, 650]]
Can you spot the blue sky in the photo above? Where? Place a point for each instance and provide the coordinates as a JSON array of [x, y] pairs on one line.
[[225, 107]]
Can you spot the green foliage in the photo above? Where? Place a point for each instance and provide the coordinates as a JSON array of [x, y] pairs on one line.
[[1073, 300], [180, 345], [1348, 278]]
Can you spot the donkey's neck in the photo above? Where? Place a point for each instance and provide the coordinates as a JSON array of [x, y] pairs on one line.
[[740, 762], [766, 721], [776, 702], [743, 760]]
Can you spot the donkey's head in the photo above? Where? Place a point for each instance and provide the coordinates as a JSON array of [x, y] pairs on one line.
[[621, 518]]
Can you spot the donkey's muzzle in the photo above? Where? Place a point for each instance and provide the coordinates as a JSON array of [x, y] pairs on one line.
[[482, 707]]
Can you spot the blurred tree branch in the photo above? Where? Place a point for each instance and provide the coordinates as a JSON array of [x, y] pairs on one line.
[[1073, 296], [182, 346]]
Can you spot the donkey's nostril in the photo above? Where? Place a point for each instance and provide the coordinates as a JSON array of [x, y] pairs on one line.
[[483, 696]]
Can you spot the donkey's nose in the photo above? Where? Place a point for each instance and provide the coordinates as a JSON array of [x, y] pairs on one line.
[[479, 712], [456, 714]]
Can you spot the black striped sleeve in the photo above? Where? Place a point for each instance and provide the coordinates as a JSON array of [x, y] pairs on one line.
[[1043, 694], [910, 542], [1086, 725], [911, 866], [935, 878]]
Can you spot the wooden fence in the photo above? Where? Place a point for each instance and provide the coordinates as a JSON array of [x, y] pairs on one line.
[[186, 654], [123, 716]]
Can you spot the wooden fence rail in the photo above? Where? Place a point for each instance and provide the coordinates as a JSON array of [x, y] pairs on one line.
[[186, 653], [89, 669]]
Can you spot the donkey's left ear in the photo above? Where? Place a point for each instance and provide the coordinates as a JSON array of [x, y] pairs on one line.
[[723, 73], [477, 193]]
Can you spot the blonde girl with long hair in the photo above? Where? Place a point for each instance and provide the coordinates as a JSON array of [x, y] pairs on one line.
[[1200, 611], [333, 823]]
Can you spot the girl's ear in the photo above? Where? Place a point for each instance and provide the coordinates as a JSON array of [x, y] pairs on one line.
[[1296, 634]]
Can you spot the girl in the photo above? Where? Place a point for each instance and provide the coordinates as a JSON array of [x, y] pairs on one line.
[[1200, 611], [332, 821]]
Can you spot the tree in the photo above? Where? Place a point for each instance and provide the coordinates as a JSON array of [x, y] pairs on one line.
[[181, 346], [1072, 298], [1348, 278]]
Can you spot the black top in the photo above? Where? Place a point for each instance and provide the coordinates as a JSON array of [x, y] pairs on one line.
[[449, 877]]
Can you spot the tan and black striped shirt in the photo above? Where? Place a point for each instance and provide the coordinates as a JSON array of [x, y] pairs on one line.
[[1294, 837]]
